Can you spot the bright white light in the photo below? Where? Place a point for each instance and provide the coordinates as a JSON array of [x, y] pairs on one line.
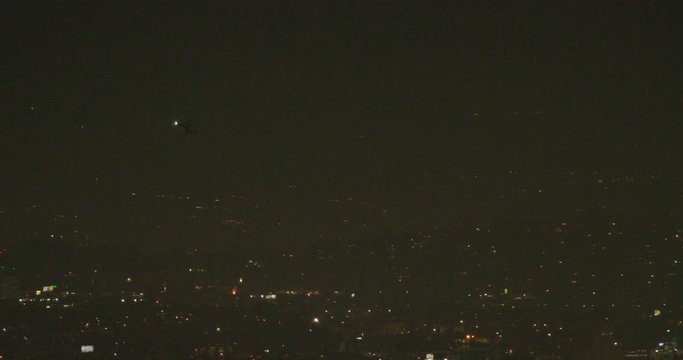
[[316, 320], [175, 123]]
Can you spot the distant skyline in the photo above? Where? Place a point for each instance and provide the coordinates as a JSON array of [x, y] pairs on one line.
[[401, 177]]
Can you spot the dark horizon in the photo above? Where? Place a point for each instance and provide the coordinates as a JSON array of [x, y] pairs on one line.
[[433, 152]]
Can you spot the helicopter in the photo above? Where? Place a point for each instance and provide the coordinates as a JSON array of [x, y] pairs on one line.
[[185, 125]]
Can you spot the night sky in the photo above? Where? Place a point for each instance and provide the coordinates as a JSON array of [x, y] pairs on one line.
[[421, 113], [483, 164]]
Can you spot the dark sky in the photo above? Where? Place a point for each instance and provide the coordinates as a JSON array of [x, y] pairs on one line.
[[377, 98], [430, 149]]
